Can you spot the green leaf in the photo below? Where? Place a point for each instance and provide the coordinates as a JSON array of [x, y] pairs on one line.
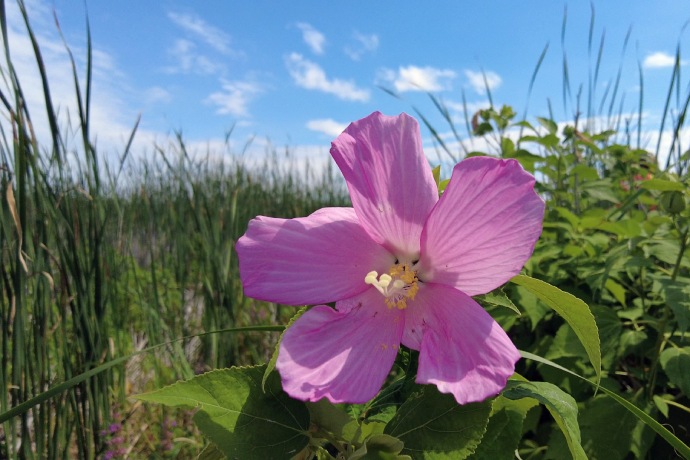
[[434, 426], [610, 329], [380, 447], [498, 297], [575, 312], [606, 429], [677, 295], [676, 364], [562, 406], [662, 185], [504, 430], [549, 124], [238, 416], [617, 291], [535, 310], [328, 417], [211, 452], [682, 448], [357, 432]]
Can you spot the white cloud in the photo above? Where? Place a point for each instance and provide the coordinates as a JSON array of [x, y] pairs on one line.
[[157, 94], [659, 60], [327, 126], [188, 60], [312, 37], [472, 108], [234, 97], [364, 44], [413, 78], [310, 75], [479, 81], [111, 116], [209, 34]]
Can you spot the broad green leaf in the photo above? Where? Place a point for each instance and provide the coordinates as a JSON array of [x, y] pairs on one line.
[[662, 185], [328, 417], [610, 329], [600, 190], [682, 448], [535, 310], [677, 295], [211, 452], [565, 344], [380, 447], [357, 432], [549, 124], [661, 404], [434, 426], [575, 312], [238, 416], [561, 405], [676, 364], [617, 291], [504, 430], [606, 429], [627, 228]]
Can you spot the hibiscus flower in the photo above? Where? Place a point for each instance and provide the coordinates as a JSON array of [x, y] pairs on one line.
[[401, 266]]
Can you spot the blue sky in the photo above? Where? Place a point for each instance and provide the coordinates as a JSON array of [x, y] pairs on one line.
[[295, 73]]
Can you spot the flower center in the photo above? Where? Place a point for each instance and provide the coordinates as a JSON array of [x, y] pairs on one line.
[[397, 286]]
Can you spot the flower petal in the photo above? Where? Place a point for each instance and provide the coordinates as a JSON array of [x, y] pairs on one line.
[[344, 357], [484, 227], [463, 350], [316, 259], [389, 178]]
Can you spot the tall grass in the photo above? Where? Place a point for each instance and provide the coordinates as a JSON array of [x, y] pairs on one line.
[[98, 260]]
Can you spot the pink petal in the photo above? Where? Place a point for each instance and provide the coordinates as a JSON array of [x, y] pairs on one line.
[[389, 179], [463, 350], [344, 357], [316, 259], [484, 227]]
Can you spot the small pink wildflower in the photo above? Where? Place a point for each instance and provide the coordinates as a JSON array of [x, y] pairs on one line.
[[400, 265]]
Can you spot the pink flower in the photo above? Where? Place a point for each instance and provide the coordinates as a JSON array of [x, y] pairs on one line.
[[400, 265]]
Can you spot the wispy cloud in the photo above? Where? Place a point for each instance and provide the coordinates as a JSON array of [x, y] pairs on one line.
[[234, 97], [363, 44], [310, 75], [659, 60], [480, 81], [189, 60], [156, 94], [112, 111], [327, 126], [212, 36], [472, 107], [312, 37], [413, 78]]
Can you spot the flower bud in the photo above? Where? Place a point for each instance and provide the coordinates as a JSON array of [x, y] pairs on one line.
[[672, 202]]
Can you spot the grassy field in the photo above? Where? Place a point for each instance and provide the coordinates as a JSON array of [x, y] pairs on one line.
[[101, 261]]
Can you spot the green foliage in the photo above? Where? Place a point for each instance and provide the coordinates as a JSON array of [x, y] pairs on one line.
[[239, 417], [433, 426], [574, 311], [562, 407]]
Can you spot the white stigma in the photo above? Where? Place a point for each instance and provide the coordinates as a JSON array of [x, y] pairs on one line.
[[383, 283]]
